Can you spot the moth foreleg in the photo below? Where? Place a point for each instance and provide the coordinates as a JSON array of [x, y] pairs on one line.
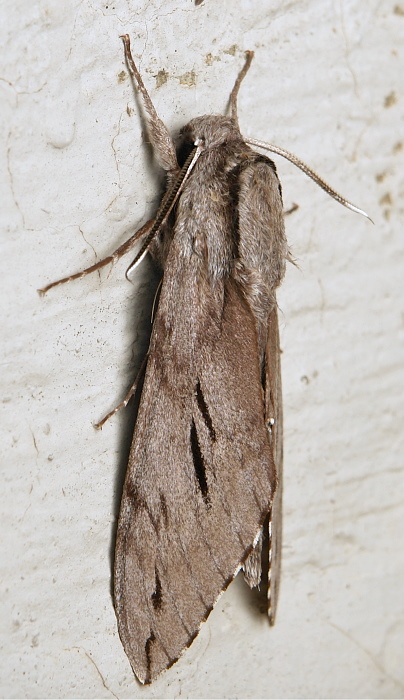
[[291, 209], [162, 142], [118, 253], [249, 55], [128, 396]]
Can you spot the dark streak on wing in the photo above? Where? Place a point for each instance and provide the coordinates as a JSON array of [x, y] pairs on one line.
[[147, 649], [199, 464], [205, 411], [138, 502], [164, 510], [157, 595]]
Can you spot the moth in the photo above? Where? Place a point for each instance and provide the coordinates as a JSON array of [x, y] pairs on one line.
[[203, 488]]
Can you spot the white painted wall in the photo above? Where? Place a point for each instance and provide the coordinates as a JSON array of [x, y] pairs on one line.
[[327, 84]]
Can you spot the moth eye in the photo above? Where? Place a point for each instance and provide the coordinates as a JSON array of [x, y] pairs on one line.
[[184, 150]]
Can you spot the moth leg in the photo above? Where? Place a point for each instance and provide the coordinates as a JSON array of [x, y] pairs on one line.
[[161, 140], [165, 152], [249, 55], [118, 253], [291, 209], [128, 396]]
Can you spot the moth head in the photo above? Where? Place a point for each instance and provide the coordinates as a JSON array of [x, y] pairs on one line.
[[212, 131]]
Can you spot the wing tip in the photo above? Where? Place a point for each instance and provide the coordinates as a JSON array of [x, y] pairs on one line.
[[142, 664]]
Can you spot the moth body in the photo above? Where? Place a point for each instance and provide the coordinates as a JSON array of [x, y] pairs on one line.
[[202, 476]]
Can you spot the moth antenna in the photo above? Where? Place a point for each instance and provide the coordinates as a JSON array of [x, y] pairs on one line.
[[249, 55], [308, 171], [159, 134], [168, 203]]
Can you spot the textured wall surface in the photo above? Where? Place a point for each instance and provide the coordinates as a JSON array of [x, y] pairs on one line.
[[77, 177]]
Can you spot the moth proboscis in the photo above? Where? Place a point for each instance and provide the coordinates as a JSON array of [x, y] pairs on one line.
[[203, 488]]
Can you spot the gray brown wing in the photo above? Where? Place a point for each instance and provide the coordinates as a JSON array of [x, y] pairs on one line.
[[264, 249], [273, 412], [201, 475], [262, 568]]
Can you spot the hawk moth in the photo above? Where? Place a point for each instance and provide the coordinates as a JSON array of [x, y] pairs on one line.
[[204, 481]]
